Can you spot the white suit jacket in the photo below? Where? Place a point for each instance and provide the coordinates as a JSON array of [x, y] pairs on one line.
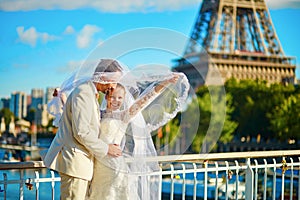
[[77, 140]]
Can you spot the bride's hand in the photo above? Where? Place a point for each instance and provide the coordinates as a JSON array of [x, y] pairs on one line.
[[114, 150], [165, 83]]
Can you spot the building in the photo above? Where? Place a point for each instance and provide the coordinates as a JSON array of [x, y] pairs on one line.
[[235, 39], [37, 101], [49, 94], [18, 104], [4, 103]]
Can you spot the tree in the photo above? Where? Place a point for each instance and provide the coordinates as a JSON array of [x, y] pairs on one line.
[[31, 115], [252, 100], [215, 124], [7, 114], [285, 119]]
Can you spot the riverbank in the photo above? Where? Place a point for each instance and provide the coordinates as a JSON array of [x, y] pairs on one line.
[[20, 149]]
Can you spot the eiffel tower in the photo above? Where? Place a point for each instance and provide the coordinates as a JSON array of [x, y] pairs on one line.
[[235, 38]]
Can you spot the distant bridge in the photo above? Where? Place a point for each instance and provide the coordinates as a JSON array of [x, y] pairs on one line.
[[34, 150], [19, 147]]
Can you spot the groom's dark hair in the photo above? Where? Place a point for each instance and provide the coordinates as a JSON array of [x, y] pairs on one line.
[[108, 65]]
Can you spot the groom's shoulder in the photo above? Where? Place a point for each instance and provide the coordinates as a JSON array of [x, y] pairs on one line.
[[85, 87]]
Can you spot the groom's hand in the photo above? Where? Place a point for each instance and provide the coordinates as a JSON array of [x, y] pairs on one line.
[[114, 150]]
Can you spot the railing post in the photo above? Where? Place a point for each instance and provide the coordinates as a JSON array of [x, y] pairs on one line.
[[292, 179], [37, 184], [5, 184], [256, 180], [237, 180], [265, 179], [160, 183], [274, 179], [299, 181], [227, 181], [172, 182], [195, 182], [53, 184], [205, 180], [216, 183], [184, 182], [282, 177], [249, 181], [21, 189]]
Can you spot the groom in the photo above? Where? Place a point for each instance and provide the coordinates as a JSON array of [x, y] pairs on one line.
[[77, 143]]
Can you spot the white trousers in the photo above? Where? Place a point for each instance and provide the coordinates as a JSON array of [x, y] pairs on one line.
[[72, 188]]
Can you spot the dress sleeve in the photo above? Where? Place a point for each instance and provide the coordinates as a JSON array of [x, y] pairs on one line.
[[140, 104]]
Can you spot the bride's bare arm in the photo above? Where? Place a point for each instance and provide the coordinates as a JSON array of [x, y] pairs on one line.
[[147, 98]]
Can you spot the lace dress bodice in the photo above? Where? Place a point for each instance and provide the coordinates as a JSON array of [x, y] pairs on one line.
[[112, 130]]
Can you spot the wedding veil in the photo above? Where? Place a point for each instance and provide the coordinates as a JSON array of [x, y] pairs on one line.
[[159, 109], [99, 71]]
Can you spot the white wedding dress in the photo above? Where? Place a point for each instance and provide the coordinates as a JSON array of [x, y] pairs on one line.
[[111, 177]]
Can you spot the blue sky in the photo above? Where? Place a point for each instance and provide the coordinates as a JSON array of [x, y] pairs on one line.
[[41, 42]]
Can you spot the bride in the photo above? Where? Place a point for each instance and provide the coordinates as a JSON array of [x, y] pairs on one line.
[[127, 123]]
